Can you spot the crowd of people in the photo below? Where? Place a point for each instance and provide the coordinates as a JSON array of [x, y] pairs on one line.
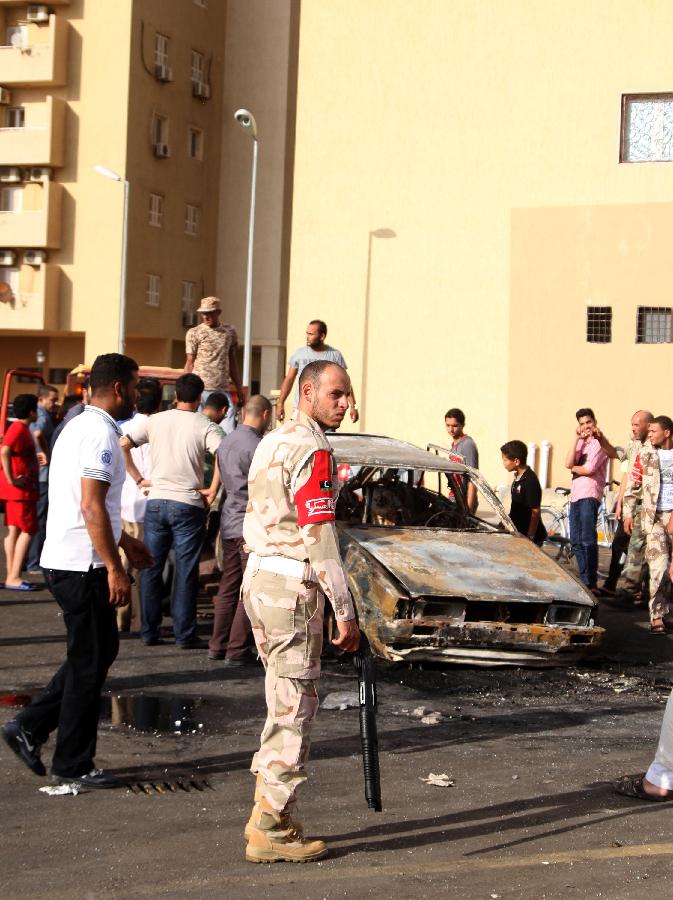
[[127, 483]]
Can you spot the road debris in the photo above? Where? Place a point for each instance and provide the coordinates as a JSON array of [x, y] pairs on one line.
[[433, 719], [442, 780], [341, 700], [58, 790]]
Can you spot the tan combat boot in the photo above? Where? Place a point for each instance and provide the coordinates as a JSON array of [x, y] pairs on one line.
[[273, 840], [285, 817]]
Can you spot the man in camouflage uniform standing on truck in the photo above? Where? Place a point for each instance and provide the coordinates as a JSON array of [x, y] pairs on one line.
[[294, 562]]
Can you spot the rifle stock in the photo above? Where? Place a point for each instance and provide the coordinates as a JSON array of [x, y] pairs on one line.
[[364, 663]]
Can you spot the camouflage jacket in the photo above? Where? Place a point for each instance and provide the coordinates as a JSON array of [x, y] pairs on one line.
[[292, 488], [642, 486]]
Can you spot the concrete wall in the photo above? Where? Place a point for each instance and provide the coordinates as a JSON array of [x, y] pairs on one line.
[[260, 75], [483, 135]]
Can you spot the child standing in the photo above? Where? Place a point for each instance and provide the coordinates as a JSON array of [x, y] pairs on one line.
[[526, 492]]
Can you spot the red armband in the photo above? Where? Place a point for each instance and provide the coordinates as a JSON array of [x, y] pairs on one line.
[[315, 500], [637, 471]]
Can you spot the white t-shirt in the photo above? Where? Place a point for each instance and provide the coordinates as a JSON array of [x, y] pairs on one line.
[[87, 448], [178, 442], [134, 500], [305, 355], [665, 499]]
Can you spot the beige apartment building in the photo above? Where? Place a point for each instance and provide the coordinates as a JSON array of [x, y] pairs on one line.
[[483, 210], [138, 87]]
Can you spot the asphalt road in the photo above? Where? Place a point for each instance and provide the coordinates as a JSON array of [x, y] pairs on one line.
[[529, 754]]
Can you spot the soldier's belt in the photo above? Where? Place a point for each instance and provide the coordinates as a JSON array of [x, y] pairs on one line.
[[282, 565]]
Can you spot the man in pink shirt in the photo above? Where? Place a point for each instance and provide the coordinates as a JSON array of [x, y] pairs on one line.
[[587, 460]]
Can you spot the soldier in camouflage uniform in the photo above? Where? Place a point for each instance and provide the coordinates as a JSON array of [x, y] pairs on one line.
[[651, 481], [294, 563], [628, 551]]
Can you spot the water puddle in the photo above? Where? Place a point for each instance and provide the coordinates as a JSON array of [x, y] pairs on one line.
[[15, 701], [165, 715]]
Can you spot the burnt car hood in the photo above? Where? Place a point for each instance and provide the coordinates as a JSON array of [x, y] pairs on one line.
[[477, 565]]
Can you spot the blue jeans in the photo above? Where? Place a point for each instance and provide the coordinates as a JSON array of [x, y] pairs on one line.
[[168, 523], [32, 563], [583, 537]]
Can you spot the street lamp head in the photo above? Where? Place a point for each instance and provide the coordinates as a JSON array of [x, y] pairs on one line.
[[107, 173], [247, 122]]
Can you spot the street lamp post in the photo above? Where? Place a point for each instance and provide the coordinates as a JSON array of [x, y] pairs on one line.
[[247, 122], [108, 173]]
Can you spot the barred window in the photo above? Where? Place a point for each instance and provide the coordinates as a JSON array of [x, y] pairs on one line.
[[647, 128], [599, 324], [160, 49], [191, 219], [654, 325]]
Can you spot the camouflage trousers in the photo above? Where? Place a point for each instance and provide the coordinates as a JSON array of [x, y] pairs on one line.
[[633, 573], [287, 623], [658, 556]]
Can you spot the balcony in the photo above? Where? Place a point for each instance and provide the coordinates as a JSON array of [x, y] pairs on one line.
[[35, 221], [34, 307], [41, 141], [41, 61]]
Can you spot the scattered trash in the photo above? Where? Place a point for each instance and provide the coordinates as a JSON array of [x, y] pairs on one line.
[[433, 719], [515, 777], [419, 712], [616, 844], [439, 780], [59, 790], [545, 862], [341, 700]]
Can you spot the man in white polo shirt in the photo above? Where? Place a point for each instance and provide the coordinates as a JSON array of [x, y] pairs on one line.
[[85, 574]]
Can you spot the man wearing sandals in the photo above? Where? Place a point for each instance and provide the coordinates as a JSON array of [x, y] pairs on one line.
[[657, 783], [651, 481]]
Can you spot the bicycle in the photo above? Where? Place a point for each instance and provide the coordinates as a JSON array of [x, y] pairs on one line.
[[557, 522]]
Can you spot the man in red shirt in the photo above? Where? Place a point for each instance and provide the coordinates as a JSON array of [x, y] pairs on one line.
[[20, 490]]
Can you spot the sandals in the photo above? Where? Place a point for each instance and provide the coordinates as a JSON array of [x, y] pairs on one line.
[[633, 787], [24, 586]]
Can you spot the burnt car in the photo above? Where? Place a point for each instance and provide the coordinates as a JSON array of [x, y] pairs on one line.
[[438, 571]]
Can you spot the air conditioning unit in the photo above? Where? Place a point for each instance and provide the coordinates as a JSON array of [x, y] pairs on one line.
[[162, 151], [39, 173], [11, 174], [163, 72], [5, 96], [7, 257], [37, 12], [201, 89], [34, 257]]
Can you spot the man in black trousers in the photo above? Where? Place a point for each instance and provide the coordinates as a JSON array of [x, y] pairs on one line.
[[85, 574]]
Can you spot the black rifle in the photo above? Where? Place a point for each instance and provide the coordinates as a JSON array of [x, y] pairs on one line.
[[364, 663]]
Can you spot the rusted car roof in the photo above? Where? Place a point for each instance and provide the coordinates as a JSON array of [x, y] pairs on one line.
[[377, 450]]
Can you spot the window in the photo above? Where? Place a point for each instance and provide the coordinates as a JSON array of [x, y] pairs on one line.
[[58, 376], [153, 290], [159, 129], [188, 295], [198, 67], [654, 325], [647, 128], [599, 324], [15, 117], [156, 210], [11, 199], [191, 219], [195, 143], [160, 50]]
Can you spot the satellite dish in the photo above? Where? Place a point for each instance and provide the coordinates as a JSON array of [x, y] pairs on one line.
[[6, 293]]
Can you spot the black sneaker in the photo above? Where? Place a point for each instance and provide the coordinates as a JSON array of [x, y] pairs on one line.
[[215, 654], [153, 642], [23, 744], [196, 643], [96, 778]]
